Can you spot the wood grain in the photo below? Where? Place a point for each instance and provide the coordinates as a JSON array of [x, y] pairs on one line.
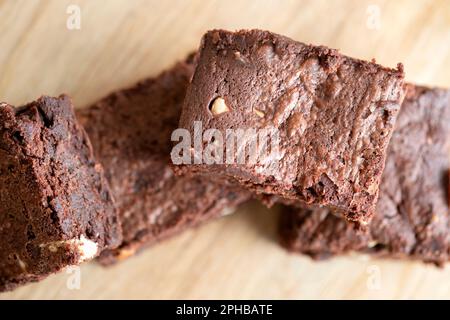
[[122, 41]]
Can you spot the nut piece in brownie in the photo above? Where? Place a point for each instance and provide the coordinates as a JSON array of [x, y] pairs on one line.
[[130, 131], [55, 205], [412, 217], [334, 117]]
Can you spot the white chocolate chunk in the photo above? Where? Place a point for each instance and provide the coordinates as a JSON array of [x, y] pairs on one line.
[[259, 113], [86, 248], [227, 211], [219, 106]]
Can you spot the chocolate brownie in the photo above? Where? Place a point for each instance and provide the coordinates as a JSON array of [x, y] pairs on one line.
[[334, 116], [130, 131], [412, 217], [55, 206]]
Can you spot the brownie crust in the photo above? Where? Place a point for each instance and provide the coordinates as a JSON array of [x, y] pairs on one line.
[[334, 114], [56, 209], [131, 134], [412, 219]]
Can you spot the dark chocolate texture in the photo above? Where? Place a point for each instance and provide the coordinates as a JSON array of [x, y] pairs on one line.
[[131, 134], [55, 206], [412, 219], [334, 115]]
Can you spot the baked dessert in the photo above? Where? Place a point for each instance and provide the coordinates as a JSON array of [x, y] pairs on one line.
[[56, 209], [131, 134], [412, 219], [331, 117]]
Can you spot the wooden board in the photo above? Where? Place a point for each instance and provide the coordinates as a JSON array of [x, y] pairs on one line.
[[122, 41]]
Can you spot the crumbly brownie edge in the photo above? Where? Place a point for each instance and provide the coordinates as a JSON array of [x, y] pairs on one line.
[[40, 141]]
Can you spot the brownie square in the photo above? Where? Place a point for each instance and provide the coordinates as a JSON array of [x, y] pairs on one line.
[[412, 219], [333, 116], [130, 131], [55, 206]]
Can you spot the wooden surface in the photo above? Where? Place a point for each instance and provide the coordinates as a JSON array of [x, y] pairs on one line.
[[122, 41]]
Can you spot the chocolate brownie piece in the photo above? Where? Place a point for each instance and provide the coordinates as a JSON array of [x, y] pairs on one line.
[[55, 205], [334, 116], [130, 131], [412, 217]]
